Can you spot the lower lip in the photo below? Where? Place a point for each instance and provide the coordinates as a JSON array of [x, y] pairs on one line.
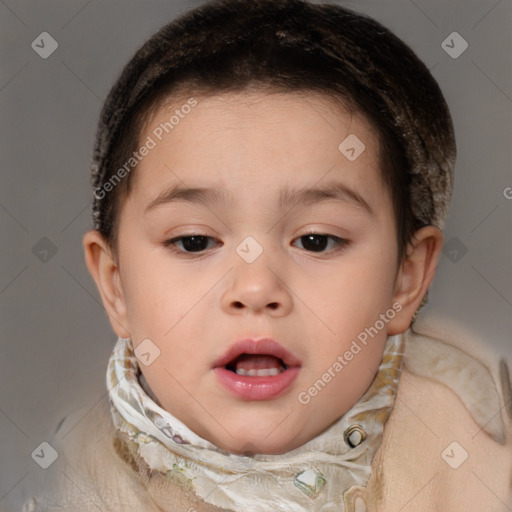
[[256, 388]]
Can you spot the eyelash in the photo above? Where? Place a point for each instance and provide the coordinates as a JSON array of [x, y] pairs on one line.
[[342, 243]]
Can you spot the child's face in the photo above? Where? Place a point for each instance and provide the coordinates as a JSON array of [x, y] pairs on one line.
[[194, 306]]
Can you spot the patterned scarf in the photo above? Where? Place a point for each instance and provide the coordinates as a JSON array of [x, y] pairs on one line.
[[325, 474]]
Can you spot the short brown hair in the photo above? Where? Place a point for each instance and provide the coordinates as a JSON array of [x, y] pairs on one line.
[[289, 45]]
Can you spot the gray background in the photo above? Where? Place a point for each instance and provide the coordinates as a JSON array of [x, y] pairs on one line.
[[55, 336]]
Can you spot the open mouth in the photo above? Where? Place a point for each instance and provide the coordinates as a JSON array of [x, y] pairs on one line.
[[256, 365], [257, 369]]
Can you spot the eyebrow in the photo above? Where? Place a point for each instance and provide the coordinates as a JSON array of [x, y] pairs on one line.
[[288, 197]]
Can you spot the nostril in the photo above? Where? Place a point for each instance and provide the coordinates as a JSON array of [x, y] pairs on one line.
[[239, 305]]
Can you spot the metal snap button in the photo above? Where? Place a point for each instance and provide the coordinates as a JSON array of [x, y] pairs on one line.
[[354, 435]]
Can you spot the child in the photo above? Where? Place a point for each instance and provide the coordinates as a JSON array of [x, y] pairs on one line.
[[260, 369]]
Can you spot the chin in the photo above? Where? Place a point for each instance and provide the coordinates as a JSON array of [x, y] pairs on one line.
[[250, 430], [260, 444]]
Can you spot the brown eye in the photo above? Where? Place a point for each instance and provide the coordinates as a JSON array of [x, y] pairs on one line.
[[318, 242], [189, 243]]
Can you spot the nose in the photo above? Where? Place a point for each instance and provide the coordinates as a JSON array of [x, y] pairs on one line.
[[258, 287]]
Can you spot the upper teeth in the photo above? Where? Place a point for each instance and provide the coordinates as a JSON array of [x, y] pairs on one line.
[[260, 373]]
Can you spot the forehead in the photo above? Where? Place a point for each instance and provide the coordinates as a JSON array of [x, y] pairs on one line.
[[257, 141]]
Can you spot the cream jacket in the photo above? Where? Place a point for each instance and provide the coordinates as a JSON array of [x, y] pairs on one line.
[[447, 445]]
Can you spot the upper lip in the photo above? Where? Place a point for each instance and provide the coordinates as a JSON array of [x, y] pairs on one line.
[[263, 346]]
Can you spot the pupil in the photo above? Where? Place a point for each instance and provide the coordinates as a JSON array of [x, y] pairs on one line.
[[192, 243], [318, 245]]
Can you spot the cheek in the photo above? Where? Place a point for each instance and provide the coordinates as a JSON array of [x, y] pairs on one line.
[[149, 289], [161, 297], [350, 301], [361, 283]]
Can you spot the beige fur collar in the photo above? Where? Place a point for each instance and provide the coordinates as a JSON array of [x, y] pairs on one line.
[[443, 351]]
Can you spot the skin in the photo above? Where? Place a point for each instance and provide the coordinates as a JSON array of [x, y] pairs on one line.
[[194, 306]]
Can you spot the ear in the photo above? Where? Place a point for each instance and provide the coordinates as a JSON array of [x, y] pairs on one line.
[[415, 275], [105, 272]]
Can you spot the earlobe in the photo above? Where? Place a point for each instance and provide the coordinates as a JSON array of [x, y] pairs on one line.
[[415, 275], [105, 272]]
